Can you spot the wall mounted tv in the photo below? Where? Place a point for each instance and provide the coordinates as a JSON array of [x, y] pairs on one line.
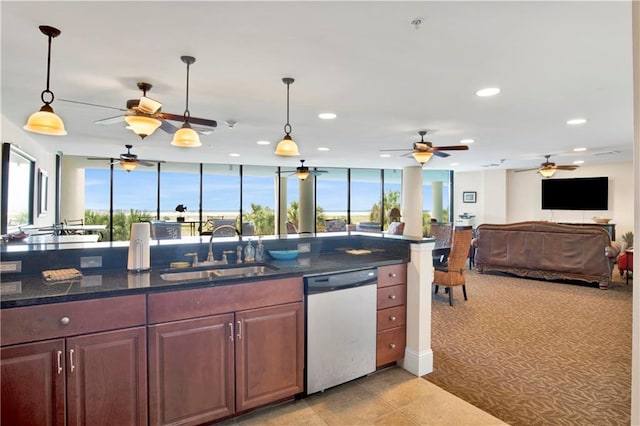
[[575, 194]]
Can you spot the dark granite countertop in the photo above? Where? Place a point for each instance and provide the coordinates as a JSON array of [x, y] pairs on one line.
[[26, 290]]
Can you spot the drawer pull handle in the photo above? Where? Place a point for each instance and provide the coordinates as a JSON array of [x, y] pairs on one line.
[[59, 362], [392, 318], [392, 296], [65, 320], [73, 367], [392, 345], [231, 331], [392, 274]]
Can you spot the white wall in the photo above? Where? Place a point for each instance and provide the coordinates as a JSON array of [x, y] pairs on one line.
[[506, 196], [36, 146]]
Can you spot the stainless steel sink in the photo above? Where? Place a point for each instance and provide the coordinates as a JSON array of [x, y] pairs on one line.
[[219, 272]]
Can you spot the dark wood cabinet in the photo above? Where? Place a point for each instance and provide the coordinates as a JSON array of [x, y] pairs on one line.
[[391, 315], [99, 378], [217, 351]]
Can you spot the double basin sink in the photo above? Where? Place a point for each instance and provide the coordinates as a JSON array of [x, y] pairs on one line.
[[219, 272]]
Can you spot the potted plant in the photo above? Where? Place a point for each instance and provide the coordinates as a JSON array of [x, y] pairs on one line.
[[628, 239], [181, 208]]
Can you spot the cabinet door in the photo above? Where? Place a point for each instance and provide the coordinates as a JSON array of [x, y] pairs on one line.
[[33, 384], [107, 378], [269, 354], [191, 374]]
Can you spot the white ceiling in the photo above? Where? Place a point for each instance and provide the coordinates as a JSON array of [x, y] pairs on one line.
[[365, 61]]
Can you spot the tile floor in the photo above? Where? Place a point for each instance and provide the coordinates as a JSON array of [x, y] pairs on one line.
[[389, 397]]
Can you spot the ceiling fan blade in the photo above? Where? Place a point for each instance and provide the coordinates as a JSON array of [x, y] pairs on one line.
[[90, 104], [395, 150], [148, 105], [441, 154], [110, 120], [168, 127], [192, 120], [526, 170], [567, 167], [451, 148], [146, 163], [99, 158]]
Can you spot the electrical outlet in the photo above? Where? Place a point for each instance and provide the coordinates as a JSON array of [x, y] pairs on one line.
[[11, 266], [91, 262], [304, 248]]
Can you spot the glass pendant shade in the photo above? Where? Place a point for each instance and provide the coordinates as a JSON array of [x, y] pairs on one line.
[[186, 137], [287, 147], [45, 122], [547, 172], [142, 125], [422, 156], [128, 165]]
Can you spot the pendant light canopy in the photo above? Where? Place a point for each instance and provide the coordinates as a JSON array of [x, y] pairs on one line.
[[46, 121], [287, 147], [186, 137]]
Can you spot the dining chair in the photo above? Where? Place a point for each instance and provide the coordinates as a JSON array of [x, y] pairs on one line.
[[72, 222], [441, 232], [453, 273]]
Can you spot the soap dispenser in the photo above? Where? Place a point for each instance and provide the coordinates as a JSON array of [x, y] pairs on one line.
[[249, 253], [259, 251]]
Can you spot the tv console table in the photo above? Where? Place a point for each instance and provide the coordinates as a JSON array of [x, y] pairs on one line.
[[610, 227]]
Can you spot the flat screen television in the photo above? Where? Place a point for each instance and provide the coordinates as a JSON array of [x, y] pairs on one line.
[[575, 194]]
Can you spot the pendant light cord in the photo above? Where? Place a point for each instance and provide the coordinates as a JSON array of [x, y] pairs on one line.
[[287, 127], [47, 91], [187, 114]]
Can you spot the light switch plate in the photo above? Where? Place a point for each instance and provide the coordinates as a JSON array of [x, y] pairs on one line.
[[9, 266], [304, 248], [91, 262]]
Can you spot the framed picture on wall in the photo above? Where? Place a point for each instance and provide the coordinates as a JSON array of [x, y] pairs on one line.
[[43, 192], [469, 197]]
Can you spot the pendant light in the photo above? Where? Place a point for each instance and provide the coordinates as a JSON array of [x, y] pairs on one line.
[[287, 147], [46, 121], [186, 137]]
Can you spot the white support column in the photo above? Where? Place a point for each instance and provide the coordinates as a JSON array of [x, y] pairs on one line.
[[306, 213], [71, 190], [418, 356], [411, 209]]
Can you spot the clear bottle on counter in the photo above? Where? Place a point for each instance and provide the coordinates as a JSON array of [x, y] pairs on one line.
[[249, 253], [260, 251], [239, 254]]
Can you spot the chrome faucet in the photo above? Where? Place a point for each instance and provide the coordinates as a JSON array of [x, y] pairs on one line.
[[210, 258]]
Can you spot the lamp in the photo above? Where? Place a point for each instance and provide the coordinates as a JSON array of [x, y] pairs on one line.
[[394, 214], [142, 125], [287, 147], [128, 165], [46, 121], [186, 137], [422, 156], [547, 172], [302, 171]]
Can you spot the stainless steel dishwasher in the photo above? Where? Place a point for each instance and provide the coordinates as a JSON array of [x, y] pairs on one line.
[[340, 328]]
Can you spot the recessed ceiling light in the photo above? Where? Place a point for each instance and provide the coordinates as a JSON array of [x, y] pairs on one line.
[[575, 121], [579, 149], [467, 141], [323, 148], [578, 162], [263, 143], [454, 164], [489, 91], [233, 154], [385, 155], [327, 116]]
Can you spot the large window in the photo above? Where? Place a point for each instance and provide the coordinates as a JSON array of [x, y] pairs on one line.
[[220, 194], [259, 197], [392, 193], [180, 195], [366, 189], [17, 188], [436, 197], [331, 196]]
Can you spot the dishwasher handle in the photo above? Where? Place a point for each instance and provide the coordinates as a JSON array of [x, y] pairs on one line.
[[340, 281]]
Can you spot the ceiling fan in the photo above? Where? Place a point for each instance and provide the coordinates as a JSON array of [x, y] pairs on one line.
[[144, 116], [127, 160], [303, 171], [548, 168], [423, 151]]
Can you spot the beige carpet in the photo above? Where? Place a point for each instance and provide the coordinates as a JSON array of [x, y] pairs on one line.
[[536, 352]]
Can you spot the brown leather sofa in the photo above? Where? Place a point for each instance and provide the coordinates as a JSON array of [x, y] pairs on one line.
[[547, 250]]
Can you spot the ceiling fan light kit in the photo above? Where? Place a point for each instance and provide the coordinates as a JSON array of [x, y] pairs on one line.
[[45, 121], [422, 157], [547, 173], [128, 165], [287, 147], [142, 125], [186, 137]]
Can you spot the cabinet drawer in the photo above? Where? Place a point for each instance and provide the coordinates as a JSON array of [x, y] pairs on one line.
[[31, 323], [392, 296], [391, 317], [200, 302], [392, 275], [390, 345]]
